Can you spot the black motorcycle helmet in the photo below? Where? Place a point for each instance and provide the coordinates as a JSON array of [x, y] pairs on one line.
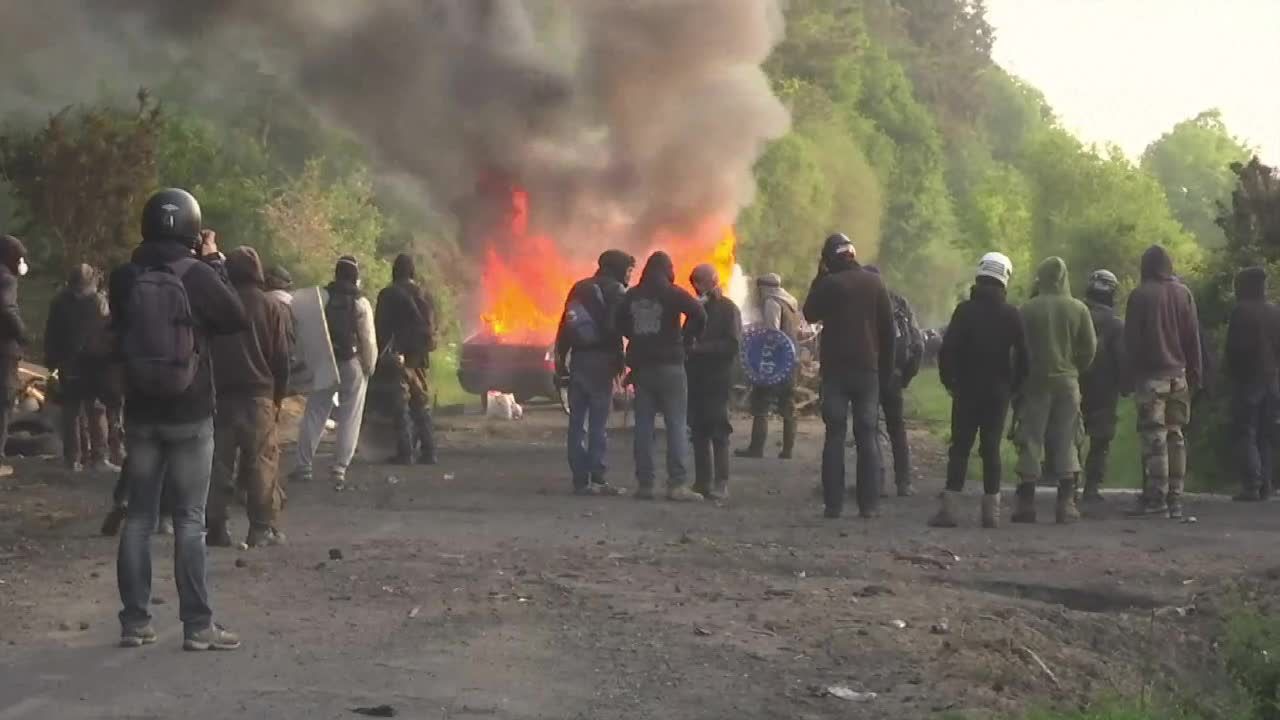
[[172, 214]]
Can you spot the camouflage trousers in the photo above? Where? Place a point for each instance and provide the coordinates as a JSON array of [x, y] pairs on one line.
[[1164, 408]]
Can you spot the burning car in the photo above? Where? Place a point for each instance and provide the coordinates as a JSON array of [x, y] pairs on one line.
[[526, 370]]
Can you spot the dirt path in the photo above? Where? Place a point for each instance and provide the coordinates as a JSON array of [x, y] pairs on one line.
[[480, 588]]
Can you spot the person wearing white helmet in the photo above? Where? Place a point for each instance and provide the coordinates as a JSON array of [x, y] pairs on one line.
[[983, 362]]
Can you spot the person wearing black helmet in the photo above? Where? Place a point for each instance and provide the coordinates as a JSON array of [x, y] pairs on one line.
[[856, 356], [588, 360], [167, 303], [1103, 383]]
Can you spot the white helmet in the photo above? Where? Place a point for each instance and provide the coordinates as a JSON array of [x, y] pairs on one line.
[[996, 265]]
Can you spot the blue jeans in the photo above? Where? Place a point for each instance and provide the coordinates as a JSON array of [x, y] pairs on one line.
[[661, 389], [178, 458], [861, 390], [589, 404]]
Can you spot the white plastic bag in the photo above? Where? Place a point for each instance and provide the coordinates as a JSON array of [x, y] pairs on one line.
[[503, 406]]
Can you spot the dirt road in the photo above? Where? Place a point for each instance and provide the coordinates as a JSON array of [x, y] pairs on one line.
[[481, 589]]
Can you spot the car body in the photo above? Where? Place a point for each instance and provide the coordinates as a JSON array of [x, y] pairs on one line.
[[527, 371]]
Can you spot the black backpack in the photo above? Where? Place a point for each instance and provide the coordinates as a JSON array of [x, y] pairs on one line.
[[159, 342], [908, 340], [582, 317], [340, 316]]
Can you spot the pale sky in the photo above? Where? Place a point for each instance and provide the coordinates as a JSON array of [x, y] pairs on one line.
[[1126, 71]]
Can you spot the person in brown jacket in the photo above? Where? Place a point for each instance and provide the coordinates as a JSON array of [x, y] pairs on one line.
[[1162, 337], [856, 357], [251, 377]]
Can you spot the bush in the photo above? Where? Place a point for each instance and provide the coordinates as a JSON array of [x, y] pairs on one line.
[[1252, 654]]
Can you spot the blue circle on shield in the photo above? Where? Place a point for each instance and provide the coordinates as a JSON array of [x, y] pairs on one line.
[[768, 356]]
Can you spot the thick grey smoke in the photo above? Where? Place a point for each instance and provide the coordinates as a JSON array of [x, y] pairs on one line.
[[640, 116]]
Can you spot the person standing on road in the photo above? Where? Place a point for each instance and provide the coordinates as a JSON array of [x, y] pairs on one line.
[[1103, 383], [13, 334], [780, 311], [1062, 345], [589, 359], [857, 350], [650, 317], [351, 330], [1252, 363], [1162, 339], [709, 365], [75, 346], [983, 363], [167, 304], [251, 373], [405, 320], [908, 351]]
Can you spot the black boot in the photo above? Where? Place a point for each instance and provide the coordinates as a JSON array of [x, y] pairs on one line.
[[759, 434], [788, 437], [217, 535], [720, 457], [702, 465]]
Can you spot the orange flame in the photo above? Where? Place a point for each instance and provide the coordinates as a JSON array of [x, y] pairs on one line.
[[523, 285]]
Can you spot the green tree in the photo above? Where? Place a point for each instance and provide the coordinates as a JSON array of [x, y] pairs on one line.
[[1192, 162]]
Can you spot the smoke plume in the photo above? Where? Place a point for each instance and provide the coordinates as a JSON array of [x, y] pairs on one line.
[[641, 114]]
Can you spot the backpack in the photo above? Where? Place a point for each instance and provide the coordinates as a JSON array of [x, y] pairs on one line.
[[340, 316], [583, 327], [908, 341], [159, 343]]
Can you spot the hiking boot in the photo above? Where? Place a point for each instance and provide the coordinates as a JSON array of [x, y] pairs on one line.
[[644, 493], [214, 637], [1024, 510], [217, 535], [264, 536], [1066, 512], [759, 435], [137, 636], [683, 494], [1092, 496], [115, 518], [1174, 510], [164, 526], [991, 511], [946, 515]]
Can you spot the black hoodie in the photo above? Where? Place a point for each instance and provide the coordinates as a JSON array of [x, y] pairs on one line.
[[650, 316], [611, 279], [76, 323], [984, 347], [405, 318], [13, 332], [1162, 331], [217, 310], [1253, 335]]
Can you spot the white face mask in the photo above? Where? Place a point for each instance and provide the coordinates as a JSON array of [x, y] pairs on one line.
[[22, 267]]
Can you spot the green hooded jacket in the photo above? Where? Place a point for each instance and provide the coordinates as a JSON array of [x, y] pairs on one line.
[[1059, 330]]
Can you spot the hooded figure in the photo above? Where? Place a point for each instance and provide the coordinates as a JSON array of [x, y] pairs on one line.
[[658, 318], [13, 332], [1252, 363], [780, 311], [77, 346], [908, 352], [1104, 382], [710, 369], [856, 353], [251, 369], [589, 359], [1162, 340], [280, 284], [351, 329], [406, 326], [1061, 343], [983, 364]]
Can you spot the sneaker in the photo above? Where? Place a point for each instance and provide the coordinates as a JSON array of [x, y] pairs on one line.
[[339, 480], [137, 636], [165, 526], [115, 518], [217, 535], [106, 466], [644, 493], [264, 537], [584, 490], [301, 475], [683, 494], [214, 637]]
